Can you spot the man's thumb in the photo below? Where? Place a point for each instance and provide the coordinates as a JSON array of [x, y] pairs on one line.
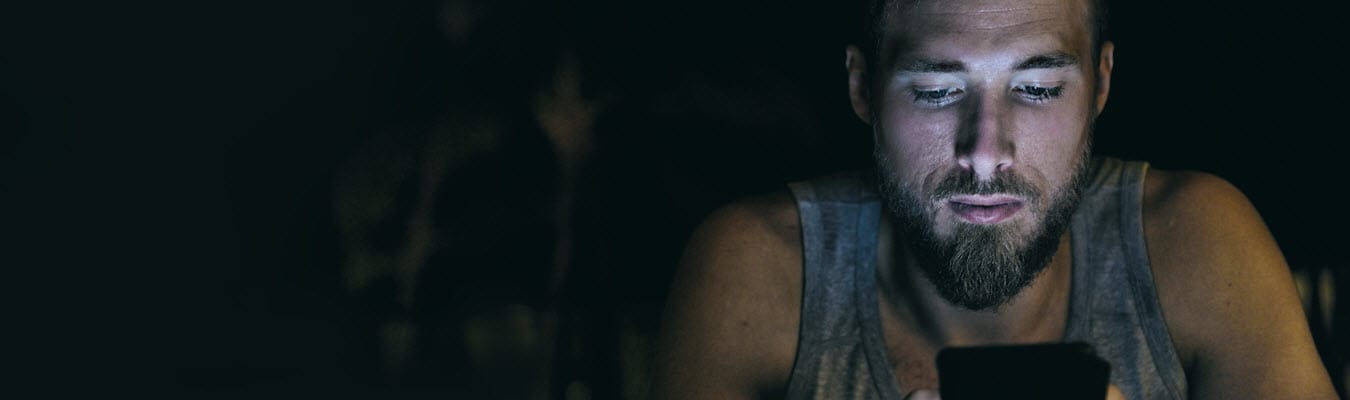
[[923, 394]]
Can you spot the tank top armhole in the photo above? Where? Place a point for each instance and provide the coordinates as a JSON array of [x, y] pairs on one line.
[[803, 367], [839, 316], [1143, 285], [869, 313]]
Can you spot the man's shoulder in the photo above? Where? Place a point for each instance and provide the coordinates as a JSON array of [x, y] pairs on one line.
[[1200, 232], [768, 222], [730, 328], [754, 244], [1197, 224], [1226, 291], [753, 248], [1190, 194]]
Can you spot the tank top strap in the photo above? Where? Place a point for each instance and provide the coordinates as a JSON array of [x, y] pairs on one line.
[[1113, 302], [840, 353]]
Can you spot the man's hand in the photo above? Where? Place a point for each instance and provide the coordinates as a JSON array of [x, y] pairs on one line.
[[1113, 393]]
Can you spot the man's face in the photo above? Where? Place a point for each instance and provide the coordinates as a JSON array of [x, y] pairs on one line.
[[981, 112]]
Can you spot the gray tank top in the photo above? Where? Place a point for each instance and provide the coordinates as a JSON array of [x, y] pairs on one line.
[[1113, 303]]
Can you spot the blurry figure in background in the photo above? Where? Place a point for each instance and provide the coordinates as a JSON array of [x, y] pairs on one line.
[[522, 241], [458, 231], [1318, 288]]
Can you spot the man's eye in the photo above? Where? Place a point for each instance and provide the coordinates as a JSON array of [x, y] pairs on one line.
[[1039, 94], [936, 97]]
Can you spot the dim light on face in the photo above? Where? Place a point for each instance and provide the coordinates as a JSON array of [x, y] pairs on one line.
[[981, 113], [990, 89]]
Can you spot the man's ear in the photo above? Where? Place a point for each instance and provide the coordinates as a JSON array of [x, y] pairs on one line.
[[1105, 63], [858, 93]]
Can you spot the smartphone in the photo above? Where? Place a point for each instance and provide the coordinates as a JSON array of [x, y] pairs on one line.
[[1039, 371]]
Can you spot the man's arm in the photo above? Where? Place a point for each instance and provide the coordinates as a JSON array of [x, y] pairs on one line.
[[1227, 293], [730, 326]]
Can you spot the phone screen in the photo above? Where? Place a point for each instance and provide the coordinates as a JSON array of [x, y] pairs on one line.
[[1039, 371]]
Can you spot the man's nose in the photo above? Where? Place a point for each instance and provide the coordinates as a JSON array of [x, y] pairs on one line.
[[983, 144]]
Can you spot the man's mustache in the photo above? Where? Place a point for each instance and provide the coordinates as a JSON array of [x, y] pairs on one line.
[[964, 182]]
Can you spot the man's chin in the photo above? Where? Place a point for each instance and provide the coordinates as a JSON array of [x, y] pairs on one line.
[[983, 267], [1013, 232]]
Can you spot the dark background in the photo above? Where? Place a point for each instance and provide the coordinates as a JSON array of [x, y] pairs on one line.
[[166, 169]]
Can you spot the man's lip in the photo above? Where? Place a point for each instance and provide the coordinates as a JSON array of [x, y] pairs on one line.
[[985, 209], [986, 200]]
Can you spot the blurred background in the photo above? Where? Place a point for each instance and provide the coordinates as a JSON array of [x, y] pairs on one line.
[[487, 199]]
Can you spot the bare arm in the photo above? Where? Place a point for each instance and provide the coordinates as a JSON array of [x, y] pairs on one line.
[[1227, 293], [730, 326]]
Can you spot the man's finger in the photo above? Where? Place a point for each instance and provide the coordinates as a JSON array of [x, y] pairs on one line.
[[1113, 393]]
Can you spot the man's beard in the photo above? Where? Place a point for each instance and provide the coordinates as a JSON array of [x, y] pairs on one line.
[[981, 267]]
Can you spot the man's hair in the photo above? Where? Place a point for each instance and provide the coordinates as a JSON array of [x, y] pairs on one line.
[[875, 15]]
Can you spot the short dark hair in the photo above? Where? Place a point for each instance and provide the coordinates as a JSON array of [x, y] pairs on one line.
[[875, 14]]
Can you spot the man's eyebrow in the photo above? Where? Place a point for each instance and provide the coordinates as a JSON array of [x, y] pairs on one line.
[[932, 66], [1052, 60]]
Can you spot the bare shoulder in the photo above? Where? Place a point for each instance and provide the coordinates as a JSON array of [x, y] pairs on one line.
[[730, 325], [768, 220], [1194, 220], [1226, 292]]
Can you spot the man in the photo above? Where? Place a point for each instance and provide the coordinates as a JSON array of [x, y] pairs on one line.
[[986, 222]]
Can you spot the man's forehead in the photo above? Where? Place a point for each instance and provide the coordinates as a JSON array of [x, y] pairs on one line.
[[992, 13], [966, 15], [937, 27]]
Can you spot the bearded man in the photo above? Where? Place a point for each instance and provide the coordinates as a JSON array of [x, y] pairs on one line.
[[986, 222]]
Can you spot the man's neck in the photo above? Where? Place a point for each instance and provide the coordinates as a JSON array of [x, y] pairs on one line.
[[1036, 314]]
